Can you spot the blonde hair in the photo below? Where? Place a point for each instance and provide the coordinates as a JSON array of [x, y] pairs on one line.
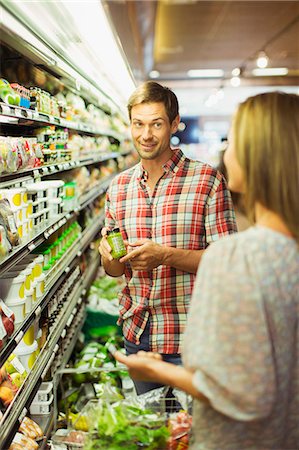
[[266, 136], [152, 92]]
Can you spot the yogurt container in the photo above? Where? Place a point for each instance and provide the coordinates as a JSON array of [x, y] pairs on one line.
[[28, 337], [15, 196], [26, 354], [12, 287], [18, 307]]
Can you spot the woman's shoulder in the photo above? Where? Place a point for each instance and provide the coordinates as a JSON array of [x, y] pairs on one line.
[[256, 245]]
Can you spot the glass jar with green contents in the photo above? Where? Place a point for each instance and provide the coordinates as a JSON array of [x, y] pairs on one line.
[[116, 243]]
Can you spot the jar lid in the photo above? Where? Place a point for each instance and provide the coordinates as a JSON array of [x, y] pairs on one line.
[[115, 230]]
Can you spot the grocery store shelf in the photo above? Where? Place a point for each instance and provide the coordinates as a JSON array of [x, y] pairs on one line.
[[70, 261], [28, 246], [91, 231], [43, 171], [89, 275], [24, 116], [25, 248], [18, 409], [96, 192]]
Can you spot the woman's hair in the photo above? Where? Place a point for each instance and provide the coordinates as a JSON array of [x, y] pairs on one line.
[[152, 92], [266, 140]]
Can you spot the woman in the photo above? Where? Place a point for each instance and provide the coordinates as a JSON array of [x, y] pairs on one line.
[[241, 350]]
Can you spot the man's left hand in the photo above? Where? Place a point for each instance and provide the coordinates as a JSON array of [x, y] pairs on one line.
[[146, 255]]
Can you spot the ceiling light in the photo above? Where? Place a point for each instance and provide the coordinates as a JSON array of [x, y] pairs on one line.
[[273, 71], [154, 74], [262, 60], [101, 66], [236, 72], [205, 73], [235, 81]]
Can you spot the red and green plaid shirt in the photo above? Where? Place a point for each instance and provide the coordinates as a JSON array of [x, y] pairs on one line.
[[189, 208]]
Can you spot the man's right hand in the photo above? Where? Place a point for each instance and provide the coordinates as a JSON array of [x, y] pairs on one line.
[[112, 266], [104, 247]]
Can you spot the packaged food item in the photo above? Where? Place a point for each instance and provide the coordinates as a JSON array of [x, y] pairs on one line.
[[7, 221], [116, 243], [5, 246], [30, 428], [25, 442], [7, 93]]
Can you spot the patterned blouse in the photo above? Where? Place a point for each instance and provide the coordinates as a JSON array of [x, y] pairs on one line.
[[242, 340], [189, 208]]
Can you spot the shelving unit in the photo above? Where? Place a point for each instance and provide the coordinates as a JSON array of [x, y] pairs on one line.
[[71, 318], [65, 324]]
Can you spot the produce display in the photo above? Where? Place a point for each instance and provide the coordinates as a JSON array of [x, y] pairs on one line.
[[121, 425]]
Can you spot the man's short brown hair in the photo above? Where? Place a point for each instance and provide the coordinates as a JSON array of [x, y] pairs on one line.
[[152, 92]]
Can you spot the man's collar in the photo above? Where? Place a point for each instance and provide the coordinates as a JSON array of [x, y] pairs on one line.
[[172, 165]]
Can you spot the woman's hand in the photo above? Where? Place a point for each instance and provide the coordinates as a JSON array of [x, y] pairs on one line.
[[145, 366]]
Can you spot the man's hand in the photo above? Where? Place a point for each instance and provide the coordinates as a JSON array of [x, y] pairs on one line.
[[146, 255], [104, 247], [112, 266]]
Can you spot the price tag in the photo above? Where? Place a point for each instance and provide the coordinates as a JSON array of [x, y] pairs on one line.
[[70, 320], [19, 336], [56, 348], [23, 414], [45, 170], [6, 109], [36, 115], [29, 114], [35, 174], [63, 334], [18, 112], [67, 269], [31, 247], [53, 169], [38, 311]]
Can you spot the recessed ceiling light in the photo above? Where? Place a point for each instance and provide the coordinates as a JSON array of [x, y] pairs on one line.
[[262, 60], [235, 81], [205, 73], [154, 74], [236, 72], [273, 71]]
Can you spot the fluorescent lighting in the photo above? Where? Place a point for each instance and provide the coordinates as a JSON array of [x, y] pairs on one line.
[[262, 60], [236, 72], [235, 81], [274, 71], [16, 27], [82, 36], [154, 74], [205, 73]]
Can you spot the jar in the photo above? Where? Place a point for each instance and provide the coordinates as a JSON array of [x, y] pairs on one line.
[[116, 243]]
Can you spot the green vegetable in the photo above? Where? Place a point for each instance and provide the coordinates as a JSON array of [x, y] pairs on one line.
[[120, 426]]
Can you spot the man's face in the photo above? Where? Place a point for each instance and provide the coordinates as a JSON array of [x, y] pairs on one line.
[[151, 130]]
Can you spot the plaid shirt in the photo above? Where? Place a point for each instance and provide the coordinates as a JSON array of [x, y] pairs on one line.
[[189, 208]]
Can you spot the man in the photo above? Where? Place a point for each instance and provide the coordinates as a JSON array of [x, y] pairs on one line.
[[169, 209]]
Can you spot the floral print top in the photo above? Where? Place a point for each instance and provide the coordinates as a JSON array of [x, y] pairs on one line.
[[242, 341]]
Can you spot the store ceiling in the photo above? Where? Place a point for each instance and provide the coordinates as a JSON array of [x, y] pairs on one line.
[[174, 36]]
